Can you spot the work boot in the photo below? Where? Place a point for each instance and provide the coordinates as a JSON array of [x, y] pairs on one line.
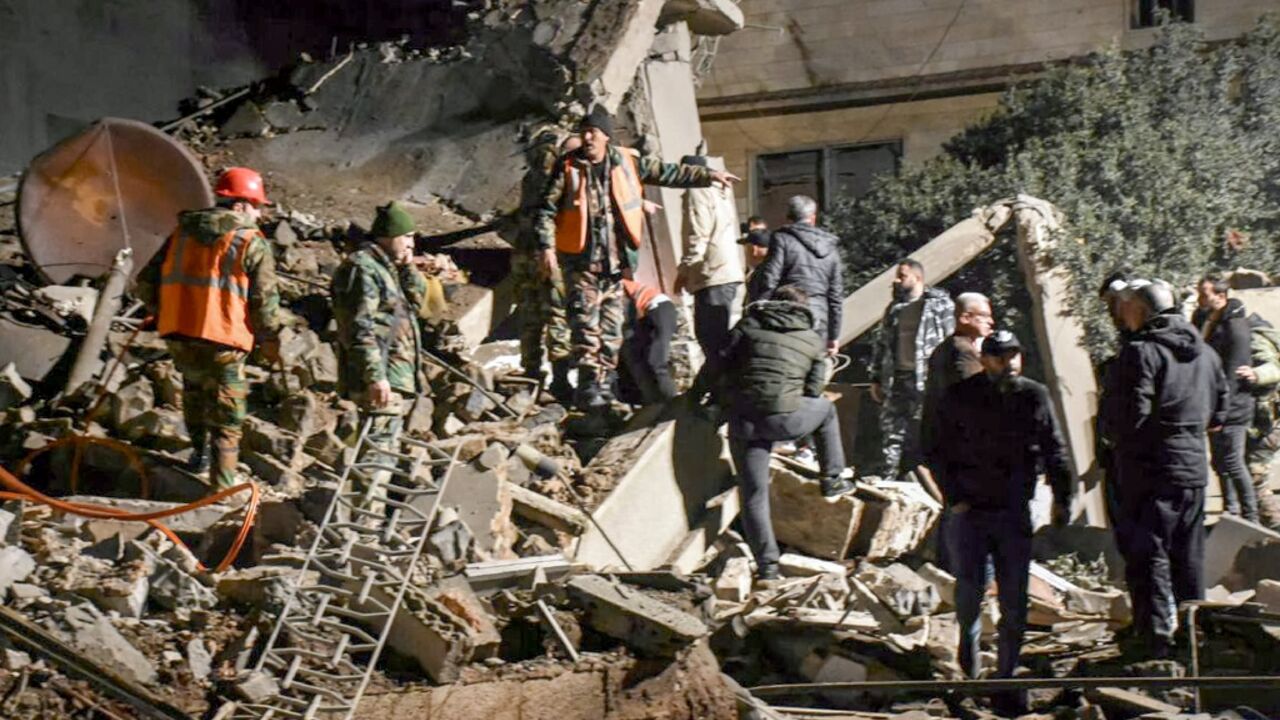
[[838, 485], [767, 578], [201, 457], [561, 389]]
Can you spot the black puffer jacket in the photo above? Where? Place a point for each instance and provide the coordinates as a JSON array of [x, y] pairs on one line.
[[772, 358], [1229, 337], [808, 257], [1170, 389]]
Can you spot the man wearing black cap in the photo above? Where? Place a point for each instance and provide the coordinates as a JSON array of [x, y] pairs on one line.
[[996, 430], [591, 222]]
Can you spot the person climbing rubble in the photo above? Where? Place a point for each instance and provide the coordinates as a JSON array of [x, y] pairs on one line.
[[591, 223], [774, 369], [540, 296], [212, 291], [644, 376], [1171, 390], [378, 298], [994, 430]]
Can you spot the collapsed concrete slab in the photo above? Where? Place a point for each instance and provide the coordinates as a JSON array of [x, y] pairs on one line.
[[665, 474], [647, 625]]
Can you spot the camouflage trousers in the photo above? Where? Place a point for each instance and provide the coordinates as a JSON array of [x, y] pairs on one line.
[[900, 425], [595, 313], [383, 437], [214, 401], [540, 308], [1261, 448]]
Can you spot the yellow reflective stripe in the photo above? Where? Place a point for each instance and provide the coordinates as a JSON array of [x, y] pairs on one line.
[[176, 277]]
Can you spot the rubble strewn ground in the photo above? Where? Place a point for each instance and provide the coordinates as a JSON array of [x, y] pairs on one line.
[[612, 586]]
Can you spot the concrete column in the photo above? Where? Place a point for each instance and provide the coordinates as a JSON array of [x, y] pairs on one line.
[[1068, 368]]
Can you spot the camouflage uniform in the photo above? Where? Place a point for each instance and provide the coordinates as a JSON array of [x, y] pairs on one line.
[[904, 390], [1264, 437], [377, 305], [540, 301], [593, 278], [214, 387]]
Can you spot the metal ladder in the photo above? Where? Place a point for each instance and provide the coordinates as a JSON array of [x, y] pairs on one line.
[[323, 648]]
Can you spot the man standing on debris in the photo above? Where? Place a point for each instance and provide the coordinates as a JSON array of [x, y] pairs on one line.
[[1224, 324], [644, 376], [591, 222], [808, 257], [212, 290], [956, 359], [914, 325], [775, 367], [711, 266], [378, 297], [540, 297], [995, 430], [1173, 390]]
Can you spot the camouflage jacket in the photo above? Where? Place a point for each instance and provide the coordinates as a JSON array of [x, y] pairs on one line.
[[207, 226], [937, 321], [377, 306], [542, 160], [652, 171]]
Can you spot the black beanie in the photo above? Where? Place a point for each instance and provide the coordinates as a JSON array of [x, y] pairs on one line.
[[600, 119]]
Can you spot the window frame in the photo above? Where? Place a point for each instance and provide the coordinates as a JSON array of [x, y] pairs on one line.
[[826, 178], [1136, 13]]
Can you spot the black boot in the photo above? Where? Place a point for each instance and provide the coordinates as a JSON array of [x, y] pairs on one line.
[[560, 387], [589, 396], [201, 457]]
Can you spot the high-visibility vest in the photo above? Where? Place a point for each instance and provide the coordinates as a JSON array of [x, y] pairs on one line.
[[627, 196], [204, 289], [642, 295]]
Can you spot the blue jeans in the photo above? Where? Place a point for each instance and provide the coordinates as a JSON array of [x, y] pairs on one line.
[[976, 538]]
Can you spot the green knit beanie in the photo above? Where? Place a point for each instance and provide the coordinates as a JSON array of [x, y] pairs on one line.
[[392, 221]]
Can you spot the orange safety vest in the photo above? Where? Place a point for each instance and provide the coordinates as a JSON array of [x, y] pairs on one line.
[[204, 289], [641, 295], [627, 195]]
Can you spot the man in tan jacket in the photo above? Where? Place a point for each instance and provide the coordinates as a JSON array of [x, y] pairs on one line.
[[711, 268]]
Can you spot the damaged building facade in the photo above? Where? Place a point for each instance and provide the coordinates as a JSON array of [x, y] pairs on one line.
[[523, 571]]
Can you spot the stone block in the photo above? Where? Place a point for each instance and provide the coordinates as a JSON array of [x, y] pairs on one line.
[[199, 660], [896, 521], [1227, 538], [483, 637], [159, 428], [794, 565], [173, 588], [130, 401], [247, 120], [263, 587], [943, 581], [734, 583], [267, 438], [16, 565], [901, 589], [257, 687], [124, 593], [805, 520], [484, 505], [646, 625], [92, 633], [1268, 594]]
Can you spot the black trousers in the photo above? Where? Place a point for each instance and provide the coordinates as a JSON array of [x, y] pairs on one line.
[[645, 375], [712, 309], [1164, 557]]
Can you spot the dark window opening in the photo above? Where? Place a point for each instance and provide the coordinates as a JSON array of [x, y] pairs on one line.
[[828, 175], [1145, 12]]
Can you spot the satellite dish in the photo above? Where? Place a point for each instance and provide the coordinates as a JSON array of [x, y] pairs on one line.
[[120, 183]]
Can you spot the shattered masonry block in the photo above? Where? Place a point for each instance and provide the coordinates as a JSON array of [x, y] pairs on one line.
[[734, 583], [793, 565], [901, 589], [805, 520], [944, 581], [427, 631], [896, 522], [92, 633], [16, 565], [646, 625]]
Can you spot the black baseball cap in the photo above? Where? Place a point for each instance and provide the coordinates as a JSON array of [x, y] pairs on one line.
[[1001, 343], [759, 238]]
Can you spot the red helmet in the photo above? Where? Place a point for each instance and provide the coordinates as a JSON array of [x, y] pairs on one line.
[[241, 184]]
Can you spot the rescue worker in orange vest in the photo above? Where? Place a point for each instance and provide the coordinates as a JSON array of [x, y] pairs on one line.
[[212, 291], [590, 224], [644, 377]]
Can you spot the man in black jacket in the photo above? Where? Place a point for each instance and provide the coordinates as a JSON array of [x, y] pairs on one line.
[[1172, 390], [806, 256], [996, 430], [774, 371], [1224, 324]]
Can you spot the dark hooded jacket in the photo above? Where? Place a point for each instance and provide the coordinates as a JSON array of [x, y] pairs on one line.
[[807, 257], [771, 359], [1229, 337], [1170, 390]]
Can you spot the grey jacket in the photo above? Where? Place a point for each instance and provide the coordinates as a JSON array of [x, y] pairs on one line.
[[808, 257]]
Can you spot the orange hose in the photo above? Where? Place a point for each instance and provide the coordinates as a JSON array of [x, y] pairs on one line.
[[18, 490]]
